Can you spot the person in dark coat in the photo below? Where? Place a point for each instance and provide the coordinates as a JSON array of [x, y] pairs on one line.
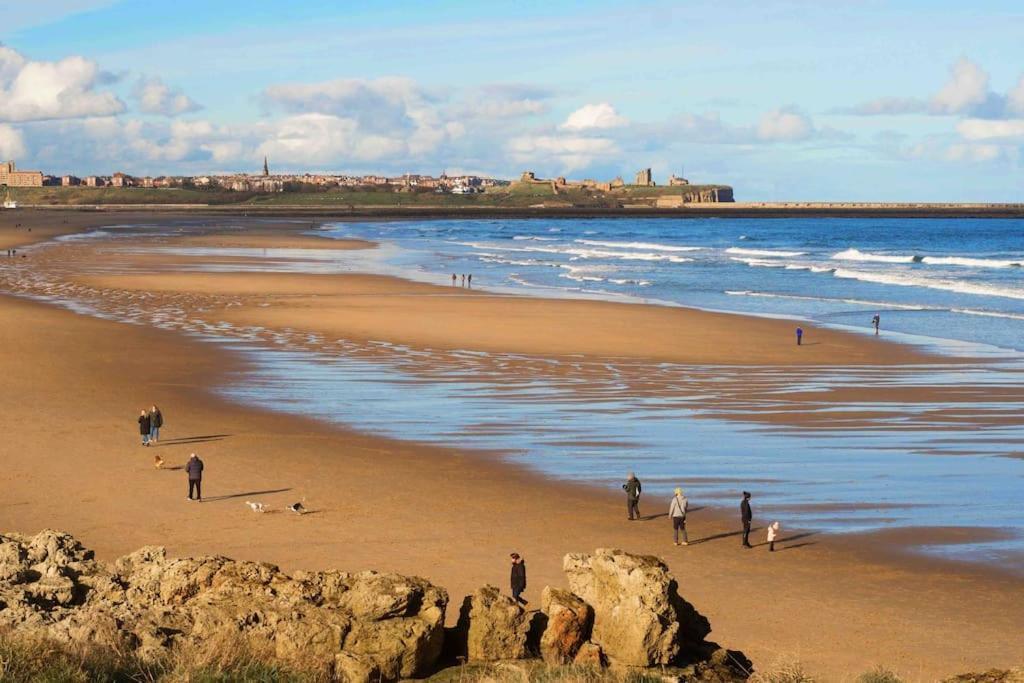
[[799, 336], [518, 578], [747, 516], [194, 468], [145, 427], [156, 421], [632, 488]]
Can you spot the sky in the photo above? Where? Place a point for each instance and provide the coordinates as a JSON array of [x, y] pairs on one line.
[[859, 100]]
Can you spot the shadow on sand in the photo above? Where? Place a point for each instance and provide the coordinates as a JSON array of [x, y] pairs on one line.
[[245, 494], [192, 439]]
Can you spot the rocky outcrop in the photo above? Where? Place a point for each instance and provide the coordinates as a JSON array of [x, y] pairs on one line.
[[495, 627], [639, 617], [621, 610], [362, 626], [568, 625]]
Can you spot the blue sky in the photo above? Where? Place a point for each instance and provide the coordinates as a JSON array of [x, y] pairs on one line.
[[846, 99]]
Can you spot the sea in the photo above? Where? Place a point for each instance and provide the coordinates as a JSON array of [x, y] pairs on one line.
[[948, 465]]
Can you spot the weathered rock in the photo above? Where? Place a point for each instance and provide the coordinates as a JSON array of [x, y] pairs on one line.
[[365, 625], [494, 625], [639, 617], [568, 625], [590, 655]]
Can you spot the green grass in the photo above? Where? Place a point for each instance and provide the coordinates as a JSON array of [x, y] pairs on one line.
[[514, 196]]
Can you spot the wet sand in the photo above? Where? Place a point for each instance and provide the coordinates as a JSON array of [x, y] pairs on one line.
[[73, 386]]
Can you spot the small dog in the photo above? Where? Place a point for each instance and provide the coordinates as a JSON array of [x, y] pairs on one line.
[[256, 507], [158, 462], [297, 508]]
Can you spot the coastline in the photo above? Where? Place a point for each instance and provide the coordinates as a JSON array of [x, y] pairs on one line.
[[694, 210], [472, 505]]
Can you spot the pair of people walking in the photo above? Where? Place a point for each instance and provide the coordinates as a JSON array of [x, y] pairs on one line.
[[150, 423]]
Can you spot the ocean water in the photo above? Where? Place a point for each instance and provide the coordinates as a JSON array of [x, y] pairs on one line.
[[956, 459], [955, 279]]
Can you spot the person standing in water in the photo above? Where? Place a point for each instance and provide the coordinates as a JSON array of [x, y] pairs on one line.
[[677, 511], [632, 488], [875, 322], [156, 421], [463, 279], [746, 516], [145, 427], [469, 280], [454, 279], [518, 578], [799, 336]]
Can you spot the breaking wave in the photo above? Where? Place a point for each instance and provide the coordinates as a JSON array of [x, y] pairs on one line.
[[637, 245], [763, 252]]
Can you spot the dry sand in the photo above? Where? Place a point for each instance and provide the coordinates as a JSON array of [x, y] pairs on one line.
[[72, 387]]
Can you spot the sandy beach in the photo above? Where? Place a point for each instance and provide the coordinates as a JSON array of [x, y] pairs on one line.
[[74, 384]]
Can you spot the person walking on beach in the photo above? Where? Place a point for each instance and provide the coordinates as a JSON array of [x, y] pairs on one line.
[[632, 488], [677, 511], [518, 579], [156, 421], [145, 427], [194, 469], [469, 280], [773, 533], [875, 322], [747, 516], [454, 278], [799, 336], [463, 279]]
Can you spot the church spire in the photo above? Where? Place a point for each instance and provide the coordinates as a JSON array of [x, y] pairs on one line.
[[266, 168]]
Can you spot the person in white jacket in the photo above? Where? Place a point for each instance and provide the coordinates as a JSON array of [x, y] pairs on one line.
[[773, 533], [677, 511]]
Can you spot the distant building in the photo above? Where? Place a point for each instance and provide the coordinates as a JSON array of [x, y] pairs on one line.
[[676, 181], [121, 180], [12, 177], [70, 181], [95, 181], [643, 178]]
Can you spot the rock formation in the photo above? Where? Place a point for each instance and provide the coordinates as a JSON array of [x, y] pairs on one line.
[[622, 610], [569, 620], [495, 627], [639, 617], [360, 625]]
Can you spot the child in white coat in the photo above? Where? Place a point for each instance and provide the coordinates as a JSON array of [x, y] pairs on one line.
[[773, 533]]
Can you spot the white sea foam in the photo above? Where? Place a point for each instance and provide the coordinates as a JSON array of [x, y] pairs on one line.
[[758, 262], [653, 246], [532, 238], [909, 280], [971, 262], [857, 255], [763, 252], [825, 299]]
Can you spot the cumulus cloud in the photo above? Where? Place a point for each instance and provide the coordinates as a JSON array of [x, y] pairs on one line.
[[156, 97], [40, 91], [966, 88], [987, 129], [784, 125], [11, 143], [1015, 98], [566, 152], [594, 117], [502, 101], [885, 106]]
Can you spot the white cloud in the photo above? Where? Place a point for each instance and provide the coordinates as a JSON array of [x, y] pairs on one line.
[[594, 117], [966, 88], [988, 129], [39, 91], [976, 152], [783, 125], [1015, 98], [883, 106], [567, 153], [326, 139], [11, 143], [156, 97]]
